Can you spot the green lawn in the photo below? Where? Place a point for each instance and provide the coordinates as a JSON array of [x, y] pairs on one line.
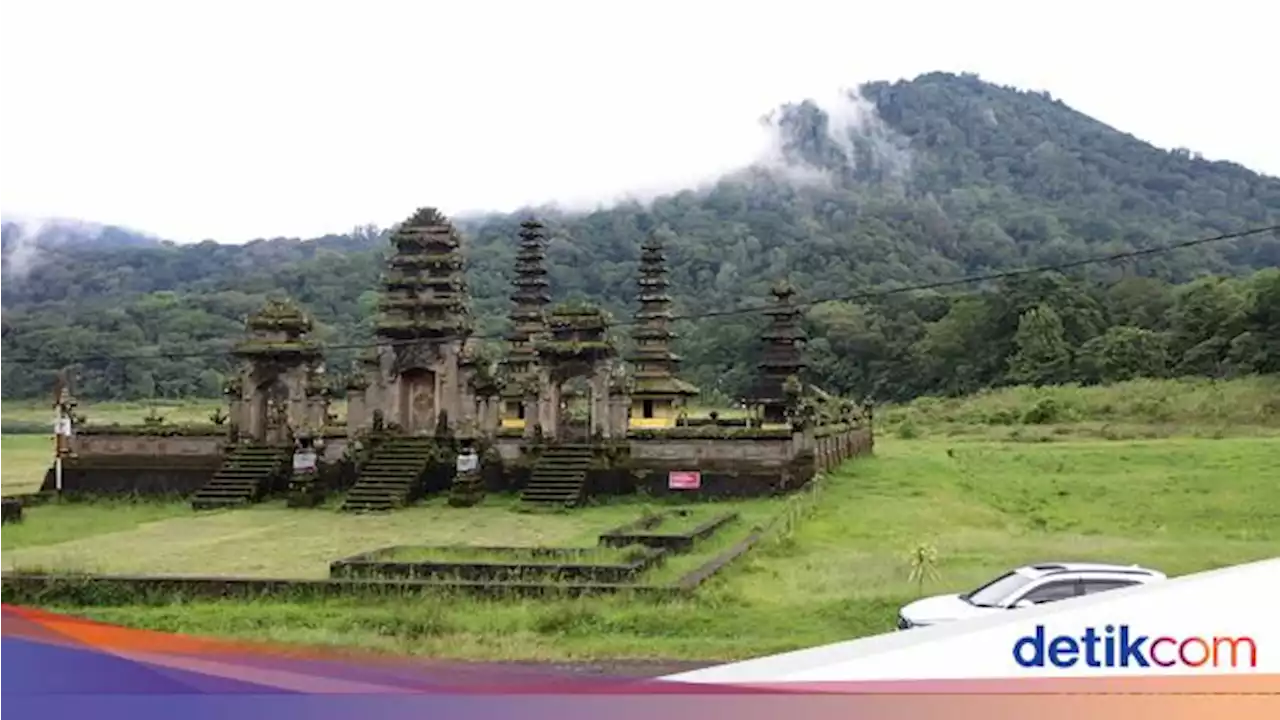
[[23, 462], [271, 540], [195, 411], [1133, 410], [1180, 505]]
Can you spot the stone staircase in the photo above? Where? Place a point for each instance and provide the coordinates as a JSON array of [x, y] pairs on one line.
[[391, 476], [559, 477], [243, 478]]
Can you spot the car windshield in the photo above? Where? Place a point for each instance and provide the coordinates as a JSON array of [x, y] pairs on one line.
[[991, 594]]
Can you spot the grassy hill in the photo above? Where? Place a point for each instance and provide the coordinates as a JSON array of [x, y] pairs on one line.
[[1138, 409]]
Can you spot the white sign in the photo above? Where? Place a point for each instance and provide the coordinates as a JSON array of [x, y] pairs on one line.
[[304, 461], [62, 427], [468, 462]]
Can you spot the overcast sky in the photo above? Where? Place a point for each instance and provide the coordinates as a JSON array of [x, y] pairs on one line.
[[239, 119]]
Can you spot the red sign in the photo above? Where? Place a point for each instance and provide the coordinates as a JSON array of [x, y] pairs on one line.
[[684, 480]]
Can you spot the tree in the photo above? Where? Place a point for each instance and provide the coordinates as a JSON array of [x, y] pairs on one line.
[[1043, 356], [1123, 353]]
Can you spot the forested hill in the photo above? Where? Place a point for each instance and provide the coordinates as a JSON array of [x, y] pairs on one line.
[[949, 176]]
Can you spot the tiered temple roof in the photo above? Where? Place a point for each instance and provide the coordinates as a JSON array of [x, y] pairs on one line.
[[424, 290], [531, 296], [577, 332], [783, 341], [277, 330], [655, 365]]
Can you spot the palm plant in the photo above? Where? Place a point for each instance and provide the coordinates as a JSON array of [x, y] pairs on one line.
[[924, 565]]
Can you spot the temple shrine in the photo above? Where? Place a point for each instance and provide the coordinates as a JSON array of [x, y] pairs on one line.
[[558, 417]]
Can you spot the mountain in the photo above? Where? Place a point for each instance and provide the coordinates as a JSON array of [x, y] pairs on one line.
[[54, 232], [932, 178]]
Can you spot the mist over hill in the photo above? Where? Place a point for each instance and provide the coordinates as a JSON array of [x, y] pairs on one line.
[[23, 242], [898, 183]]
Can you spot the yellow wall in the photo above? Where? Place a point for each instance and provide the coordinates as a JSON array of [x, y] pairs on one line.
[[511, 415], [664, 414]]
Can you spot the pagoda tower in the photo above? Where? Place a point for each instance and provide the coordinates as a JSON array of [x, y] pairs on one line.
[[417, 370], [782, 363], [424, 290], [528, 323], [657, 393]]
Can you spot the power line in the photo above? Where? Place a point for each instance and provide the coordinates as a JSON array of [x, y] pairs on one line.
[[855, 297]]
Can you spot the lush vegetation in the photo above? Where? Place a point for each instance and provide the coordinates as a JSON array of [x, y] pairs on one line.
[[1133, 410], [957, 177]]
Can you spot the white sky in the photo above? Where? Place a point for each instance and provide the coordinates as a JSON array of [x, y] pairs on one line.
[[239, 119]]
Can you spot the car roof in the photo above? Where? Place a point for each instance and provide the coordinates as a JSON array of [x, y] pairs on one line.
[[1039, 570]]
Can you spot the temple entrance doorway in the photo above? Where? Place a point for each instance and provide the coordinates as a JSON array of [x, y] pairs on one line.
[[418, 401], [270, 422], [574, 414]]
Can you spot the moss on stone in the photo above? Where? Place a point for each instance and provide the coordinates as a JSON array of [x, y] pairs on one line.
[[260, 347], [709, 433], [155, 430]]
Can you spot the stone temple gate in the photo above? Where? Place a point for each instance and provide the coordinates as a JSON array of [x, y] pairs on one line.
[[576, 347], [280, 388]]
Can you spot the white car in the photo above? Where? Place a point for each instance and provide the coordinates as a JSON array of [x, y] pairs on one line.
[[1025, 587]]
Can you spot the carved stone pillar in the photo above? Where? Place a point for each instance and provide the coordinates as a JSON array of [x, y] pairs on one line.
[[356, 410], [532, 413], [600, 402], [619, 404], [549, 411]]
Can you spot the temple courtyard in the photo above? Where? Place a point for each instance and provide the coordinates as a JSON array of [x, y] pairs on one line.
[[270, 540], [1180, 504]]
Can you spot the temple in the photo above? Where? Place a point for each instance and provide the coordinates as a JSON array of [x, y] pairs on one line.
[[783, 363], [528, 324], [557, 415], [416, 376], [658, 395], [280, 386]]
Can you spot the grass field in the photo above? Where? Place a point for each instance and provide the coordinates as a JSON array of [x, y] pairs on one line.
[[23, 462], [1138, 409], [270, 540], [1181, 505], [194, 412]]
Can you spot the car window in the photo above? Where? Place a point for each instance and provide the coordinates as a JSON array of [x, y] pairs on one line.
[[1051, 592], [1097, 586], [994, 593]]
